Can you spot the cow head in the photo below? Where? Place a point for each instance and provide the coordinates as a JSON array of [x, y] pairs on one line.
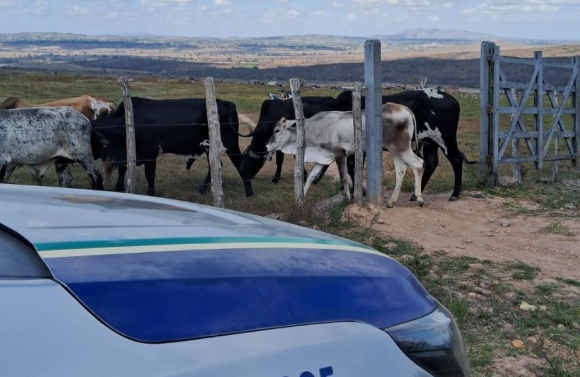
[[99, 145], [284, 134]]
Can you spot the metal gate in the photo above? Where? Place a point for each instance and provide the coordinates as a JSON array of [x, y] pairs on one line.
[[553, 110]]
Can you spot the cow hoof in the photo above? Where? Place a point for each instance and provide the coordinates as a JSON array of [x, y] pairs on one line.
[[421, 203], [275, 180], [390, 205], [120, 189], [202, 189], [453, 198], [151, 192], [413, 198]]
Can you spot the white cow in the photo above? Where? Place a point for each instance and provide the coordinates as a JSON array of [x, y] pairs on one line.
[[329, 137]]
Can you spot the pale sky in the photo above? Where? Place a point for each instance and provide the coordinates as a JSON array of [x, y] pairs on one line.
[[543, 19]]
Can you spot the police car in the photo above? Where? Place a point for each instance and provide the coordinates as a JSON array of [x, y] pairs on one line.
[[109, 284]]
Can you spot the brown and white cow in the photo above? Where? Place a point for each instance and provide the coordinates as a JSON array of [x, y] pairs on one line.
[[329, 137], [92, 107]]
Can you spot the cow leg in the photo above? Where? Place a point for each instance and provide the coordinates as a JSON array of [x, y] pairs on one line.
[[93, 172], [279, 163], [150, 167], [205, 184], [320, 175], [455, 157], [207, 181], [3, 167], [9, 171], [236, 158], [400, 171], [344, 177], [108, 168], [315, 170], [416, 164], [63, 172], [431, 159], [121, 171]]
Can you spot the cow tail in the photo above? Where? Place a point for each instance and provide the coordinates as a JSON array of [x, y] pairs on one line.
[[415, 128], [234, 120]]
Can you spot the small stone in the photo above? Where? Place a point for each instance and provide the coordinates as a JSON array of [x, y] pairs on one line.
[[485, 284], [471, 294], [570, 206], [390, 246], [507, 181], [380, 221], [274, 216], [533, 339], [576, 325], [491, 221], [490, 234], [505, 223], [561, 326], [518, 344], [527, 307], [509, 295], [543, 308], [482, 291]]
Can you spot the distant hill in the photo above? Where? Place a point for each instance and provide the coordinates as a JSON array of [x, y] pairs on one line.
[[438, 34]]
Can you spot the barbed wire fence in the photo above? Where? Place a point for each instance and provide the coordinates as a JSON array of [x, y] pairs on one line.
[[215, 150]]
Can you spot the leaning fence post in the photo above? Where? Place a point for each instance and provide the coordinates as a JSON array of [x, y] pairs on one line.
[[576, 105], [358, 146], [516, 167], [373, 121], [556, 143], [539, 105], [300, 142], [130, 134], [215, 143]]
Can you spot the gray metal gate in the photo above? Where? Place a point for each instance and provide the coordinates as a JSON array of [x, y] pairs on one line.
[[556, 119]]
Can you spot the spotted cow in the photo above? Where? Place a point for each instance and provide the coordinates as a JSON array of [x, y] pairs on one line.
[[39, 136]]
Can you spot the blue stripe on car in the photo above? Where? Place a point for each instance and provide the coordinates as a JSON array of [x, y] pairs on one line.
[[160, 297]]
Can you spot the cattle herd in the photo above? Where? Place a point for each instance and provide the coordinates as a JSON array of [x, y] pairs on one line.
[[416, 124]]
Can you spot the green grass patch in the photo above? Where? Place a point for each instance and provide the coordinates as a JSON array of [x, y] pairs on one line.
[[522, 271]]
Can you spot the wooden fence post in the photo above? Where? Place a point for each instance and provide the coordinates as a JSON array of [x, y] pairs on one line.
[[215, 143], [373, 121], [484, 108], [576, 104], [516, 167], [300, 142], [556, 146], [496, 69], [130, 134], [358, 146], [539, 104]]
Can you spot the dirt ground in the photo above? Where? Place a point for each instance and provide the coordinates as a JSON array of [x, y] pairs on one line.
[[478, 227]]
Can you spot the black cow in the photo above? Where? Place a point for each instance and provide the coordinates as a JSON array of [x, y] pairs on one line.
[[437, 115], [177, 126]]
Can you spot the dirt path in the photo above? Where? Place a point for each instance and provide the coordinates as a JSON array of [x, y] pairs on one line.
[[473, 227]]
